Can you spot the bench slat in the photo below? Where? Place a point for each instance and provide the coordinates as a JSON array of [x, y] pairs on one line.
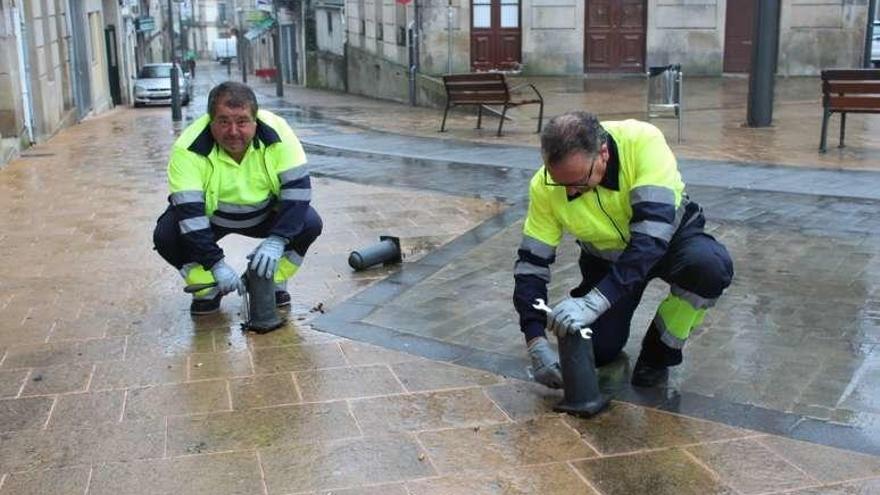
[[851, 74], [849, 87], [480, 102], [476, 87], [480, 76], [860, 102]]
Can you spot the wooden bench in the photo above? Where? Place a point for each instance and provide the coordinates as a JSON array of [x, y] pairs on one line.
[[848, 91], [481, 89]]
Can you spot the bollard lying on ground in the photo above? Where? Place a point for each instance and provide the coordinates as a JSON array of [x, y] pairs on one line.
[[386, 251]]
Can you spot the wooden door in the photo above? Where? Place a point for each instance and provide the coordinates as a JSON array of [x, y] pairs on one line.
[[739, 24], [496, 37], [615, 36]]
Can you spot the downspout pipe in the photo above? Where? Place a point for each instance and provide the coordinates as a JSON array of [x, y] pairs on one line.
[[869, 32]]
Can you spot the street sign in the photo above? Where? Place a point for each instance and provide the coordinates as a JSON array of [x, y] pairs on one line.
[[146, 24], [264, 5], [256, 16]]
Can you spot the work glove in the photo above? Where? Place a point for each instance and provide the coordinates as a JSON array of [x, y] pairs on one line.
[[576, 313], [545, 364], [264, 259], [227, 279]]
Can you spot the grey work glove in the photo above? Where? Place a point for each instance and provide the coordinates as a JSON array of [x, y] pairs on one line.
[[264, 259], [545, 364], [575, 313], [227, 279]]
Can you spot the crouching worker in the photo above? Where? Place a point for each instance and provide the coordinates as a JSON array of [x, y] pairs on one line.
[[615, 187], [236, 170]]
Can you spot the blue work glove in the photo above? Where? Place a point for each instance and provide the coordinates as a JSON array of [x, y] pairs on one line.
[[227, 279], [264, 259], [575, 313]]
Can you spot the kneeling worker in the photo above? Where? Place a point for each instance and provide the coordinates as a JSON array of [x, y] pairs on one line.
[[616, 188], [236, 170]]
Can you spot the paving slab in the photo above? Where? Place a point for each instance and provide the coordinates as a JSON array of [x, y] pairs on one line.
[[180, 404]]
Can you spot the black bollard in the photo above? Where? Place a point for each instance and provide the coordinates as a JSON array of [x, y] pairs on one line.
[[579, 380], [386, 251], [261, 314]]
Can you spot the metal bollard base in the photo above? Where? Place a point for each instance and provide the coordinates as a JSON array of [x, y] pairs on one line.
[[261, 315], [582, 409], [580, 383]]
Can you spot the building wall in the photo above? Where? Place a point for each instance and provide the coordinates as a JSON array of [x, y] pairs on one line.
[[818, 34], [814, 34], [436, 36], [100, 83], [330, 30], [49, 62], [552, 23], [686, 32], [11, 111], [371, 75], [209, 28]]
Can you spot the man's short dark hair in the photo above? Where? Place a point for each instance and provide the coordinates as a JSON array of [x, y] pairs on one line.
[[571, 132], [232, 94]]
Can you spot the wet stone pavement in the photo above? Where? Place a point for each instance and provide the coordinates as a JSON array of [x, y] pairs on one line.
[[108, 386]]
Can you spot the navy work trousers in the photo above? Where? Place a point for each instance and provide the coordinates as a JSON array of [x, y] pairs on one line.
[[695, 261], [171, 246]]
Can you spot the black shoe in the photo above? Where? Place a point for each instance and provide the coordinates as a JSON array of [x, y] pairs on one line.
[[282, 298], [646, 375], [205, 306]]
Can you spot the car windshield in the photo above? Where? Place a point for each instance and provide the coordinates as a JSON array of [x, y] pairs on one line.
[[155, 72]]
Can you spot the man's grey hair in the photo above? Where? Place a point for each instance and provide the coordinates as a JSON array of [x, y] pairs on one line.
[[571, 132], [232, 94]]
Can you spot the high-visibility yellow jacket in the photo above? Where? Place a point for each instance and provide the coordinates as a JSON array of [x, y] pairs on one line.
[[209, 189], [628, 219]]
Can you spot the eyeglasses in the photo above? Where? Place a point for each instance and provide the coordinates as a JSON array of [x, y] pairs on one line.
[[548, 181]]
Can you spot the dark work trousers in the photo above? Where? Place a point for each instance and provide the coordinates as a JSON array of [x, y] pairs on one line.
[[171, 246], [695, 261]]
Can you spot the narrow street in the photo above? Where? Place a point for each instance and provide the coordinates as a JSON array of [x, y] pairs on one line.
[[412, 379]]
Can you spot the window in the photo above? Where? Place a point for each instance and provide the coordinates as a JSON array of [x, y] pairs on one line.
[[509, 13], [482, 13], [400, 20], [221, 13], [377, 18], [155, 72], [329, 21]]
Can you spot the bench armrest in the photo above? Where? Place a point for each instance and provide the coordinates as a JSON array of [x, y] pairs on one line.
[[519, 86]]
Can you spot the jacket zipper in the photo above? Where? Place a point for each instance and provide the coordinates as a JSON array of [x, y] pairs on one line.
[[599, 201]]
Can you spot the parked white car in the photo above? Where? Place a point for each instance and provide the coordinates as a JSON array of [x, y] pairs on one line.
[[875, 45], [153, 85]]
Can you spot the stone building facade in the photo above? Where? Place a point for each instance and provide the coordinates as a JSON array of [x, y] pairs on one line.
[[594, 37]]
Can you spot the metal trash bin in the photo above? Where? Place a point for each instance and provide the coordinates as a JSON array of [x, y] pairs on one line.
[[664, 93]]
